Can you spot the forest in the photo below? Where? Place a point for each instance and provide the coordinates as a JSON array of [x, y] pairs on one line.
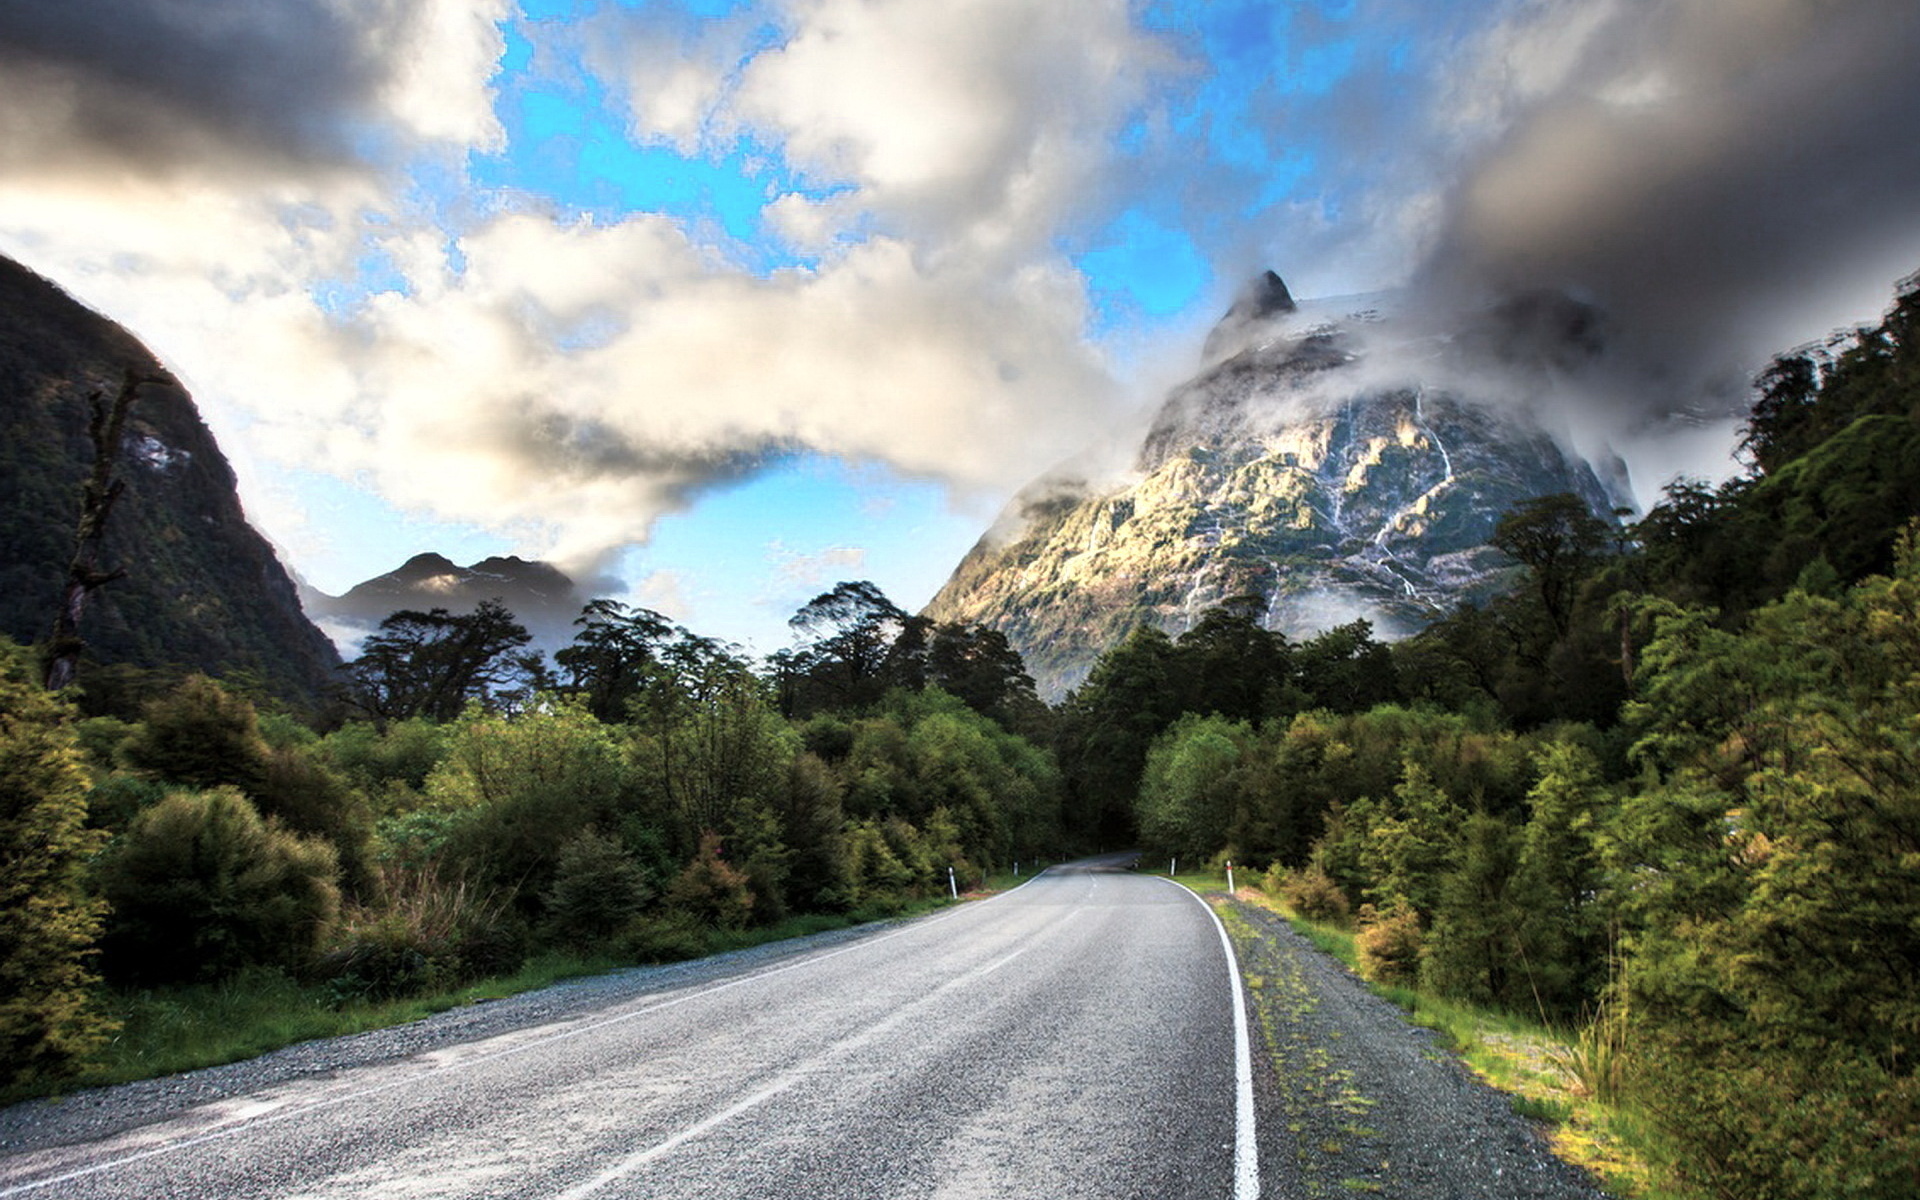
[[1661, 791]]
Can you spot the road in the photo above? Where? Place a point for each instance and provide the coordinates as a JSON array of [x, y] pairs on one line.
[[1078, 1036]]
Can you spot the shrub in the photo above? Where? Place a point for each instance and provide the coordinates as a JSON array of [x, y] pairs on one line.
[[47, 926], [598, 889], [428, 933], [199, 735], [1389, 944], [201, 886], [710, 891], [1313, 894]]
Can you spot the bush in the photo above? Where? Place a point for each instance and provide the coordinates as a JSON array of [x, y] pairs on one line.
[[662, 938], [710, 891], [598, 889], [1313, 894], [48, 1023], [428, 934], [201, 886], [200, 735], [1388, 944]]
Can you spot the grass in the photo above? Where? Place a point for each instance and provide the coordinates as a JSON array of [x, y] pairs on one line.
[[164, 1031], [1568, 1081]]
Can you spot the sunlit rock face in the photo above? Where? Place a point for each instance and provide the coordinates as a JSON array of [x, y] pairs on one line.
[[1318, 466]]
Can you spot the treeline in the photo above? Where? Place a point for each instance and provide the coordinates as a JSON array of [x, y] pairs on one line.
[[469, 806], [1665, 791]]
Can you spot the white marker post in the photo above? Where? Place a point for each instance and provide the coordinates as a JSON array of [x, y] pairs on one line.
[[1172, 865], [951, 885], [1229, 878]]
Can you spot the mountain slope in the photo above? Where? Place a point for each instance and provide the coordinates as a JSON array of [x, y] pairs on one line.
[[1292, 472], [540, 595], [203, 589]]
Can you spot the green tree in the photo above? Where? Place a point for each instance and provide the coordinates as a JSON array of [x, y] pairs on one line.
[[849, 637], [521, 786], [1185, 804], [1774, 890], [432, 664], [1107, 727], [1559, 541], [598, 889], [48, 925], [200, 735], [608, 665]]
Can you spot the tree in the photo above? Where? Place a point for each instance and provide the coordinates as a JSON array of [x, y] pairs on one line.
[[1559, 541], [48, 925], [981, 667], [607, 664], [430, 664], [106, 425], [849, 634], [1345, 669], [1774, 898], [1186, 801], [1235, 667], [1108, 725]]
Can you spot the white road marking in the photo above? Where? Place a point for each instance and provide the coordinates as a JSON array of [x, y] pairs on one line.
[[1246, 1146]]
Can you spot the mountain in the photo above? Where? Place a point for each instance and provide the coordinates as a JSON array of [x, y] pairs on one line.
[[540, 596], [1328, 463], [203, 589]]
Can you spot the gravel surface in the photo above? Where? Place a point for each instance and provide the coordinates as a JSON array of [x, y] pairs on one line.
[[1357, 1101]]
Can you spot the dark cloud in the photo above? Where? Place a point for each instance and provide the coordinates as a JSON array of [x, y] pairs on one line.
[[1717, 178], [159, 85]]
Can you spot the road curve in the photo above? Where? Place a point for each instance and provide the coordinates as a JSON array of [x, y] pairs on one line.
[[1074, 1037]]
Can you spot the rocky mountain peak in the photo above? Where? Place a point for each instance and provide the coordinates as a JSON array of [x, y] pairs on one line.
[[1264, 298], [1325, 464]]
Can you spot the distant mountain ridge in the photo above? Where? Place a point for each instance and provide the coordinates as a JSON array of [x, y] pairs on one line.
[[1288, 473], [541, 596], [203, 590]]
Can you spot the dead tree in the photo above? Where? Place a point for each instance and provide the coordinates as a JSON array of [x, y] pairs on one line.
[[106, 427]]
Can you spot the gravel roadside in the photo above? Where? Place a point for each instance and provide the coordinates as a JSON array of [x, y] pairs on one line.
[[1357, 1101], [100, 1112]]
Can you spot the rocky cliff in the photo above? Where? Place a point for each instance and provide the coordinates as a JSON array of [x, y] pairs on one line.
[[1330, 464], [203, 590]]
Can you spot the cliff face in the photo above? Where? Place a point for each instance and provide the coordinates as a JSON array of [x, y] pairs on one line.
[[1292, 471], [203, 589]]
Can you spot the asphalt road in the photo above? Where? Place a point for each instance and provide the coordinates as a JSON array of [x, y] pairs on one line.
[[1074, 1037]]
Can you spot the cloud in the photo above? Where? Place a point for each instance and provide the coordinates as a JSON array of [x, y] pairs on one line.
[[236, 86], [563, 380], [979, 124], [1721, 179], [797, 572]]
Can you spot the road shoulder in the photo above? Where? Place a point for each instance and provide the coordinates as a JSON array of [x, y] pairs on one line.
[[1358, 1101]]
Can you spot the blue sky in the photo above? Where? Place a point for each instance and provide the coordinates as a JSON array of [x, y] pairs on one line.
[[734, 300]]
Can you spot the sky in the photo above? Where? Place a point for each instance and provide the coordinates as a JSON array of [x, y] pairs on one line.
[[719, 302]]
